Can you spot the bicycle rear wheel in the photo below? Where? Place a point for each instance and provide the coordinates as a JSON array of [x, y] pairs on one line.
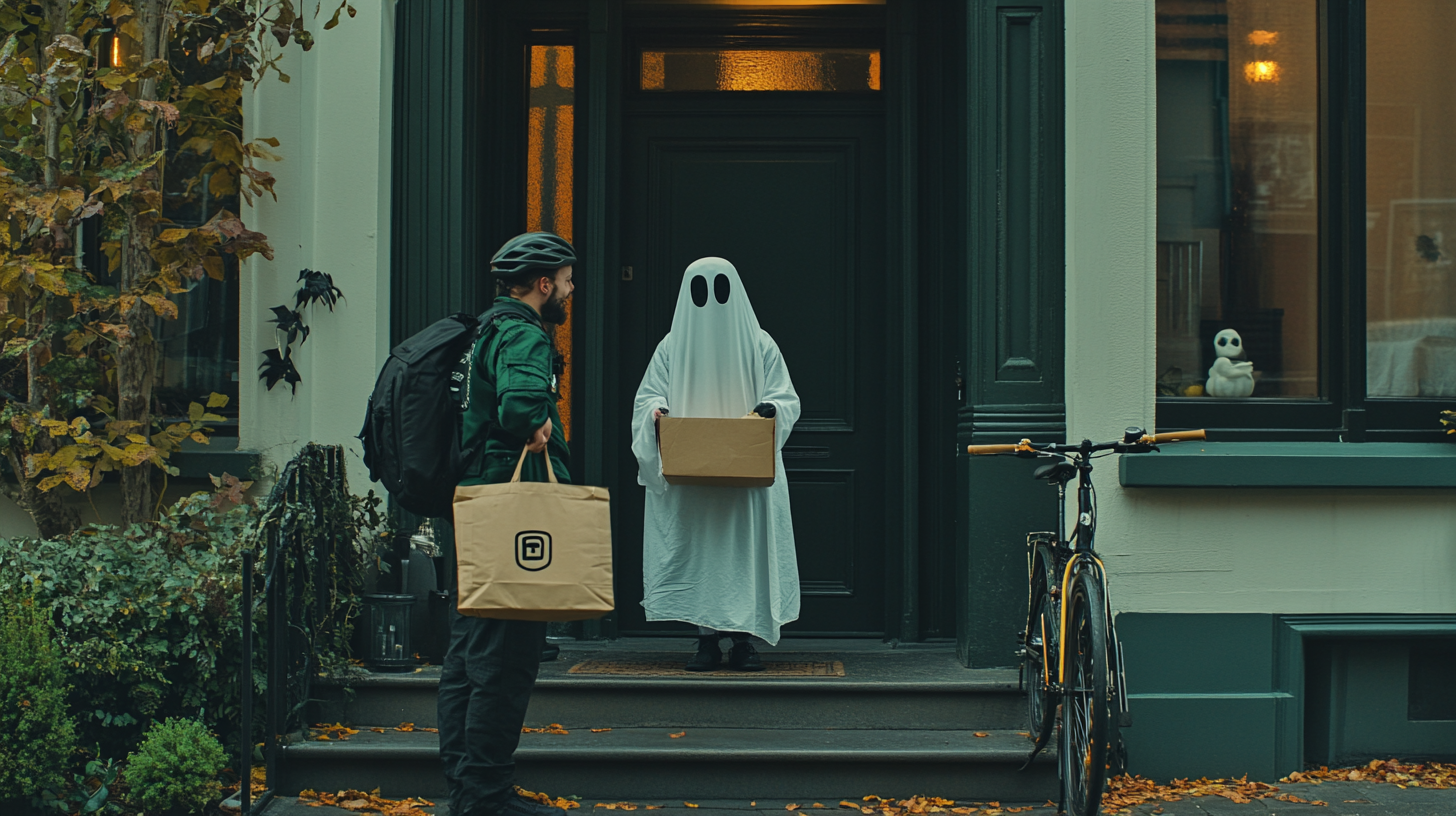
[[1040, 657], [1085, 707]]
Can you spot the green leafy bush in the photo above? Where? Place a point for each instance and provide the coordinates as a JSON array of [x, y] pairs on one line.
[[39, 733], [176, 767], [146, 617]]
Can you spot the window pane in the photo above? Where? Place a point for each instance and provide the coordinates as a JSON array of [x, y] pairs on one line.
[[550, 146], [1410, 217], [1238, 198], [693, 69]]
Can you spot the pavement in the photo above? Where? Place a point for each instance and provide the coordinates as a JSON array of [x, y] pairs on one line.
[[1340, 798]]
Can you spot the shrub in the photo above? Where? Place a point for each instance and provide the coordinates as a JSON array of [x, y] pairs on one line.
[[176, 767], [39, 733], [146, 617]]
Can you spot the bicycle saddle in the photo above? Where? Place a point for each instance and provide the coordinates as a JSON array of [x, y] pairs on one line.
[[1055, 472]]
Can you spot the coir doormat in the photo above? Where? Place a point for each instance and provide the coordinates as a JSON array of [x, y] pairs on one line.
[[664, 668]]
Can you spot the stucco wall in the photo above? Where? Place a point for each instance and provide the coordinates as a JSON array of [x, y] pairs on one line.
[[334, 122], [1206, 550]]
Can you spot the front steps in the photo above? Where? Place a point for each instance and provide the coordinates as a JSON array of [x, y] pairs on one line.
[[900, 722]]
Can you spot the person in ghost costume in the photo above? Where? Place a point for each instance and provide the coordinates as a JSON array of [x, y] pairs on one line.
[[721, 558]]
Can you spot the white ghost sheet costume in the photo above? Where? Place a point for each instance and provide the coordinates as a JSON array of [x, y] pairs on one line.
[[720, 557]]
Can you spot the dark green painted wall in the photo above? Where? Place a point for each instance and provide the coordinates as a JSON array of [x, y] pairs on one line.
[[1233, 694]]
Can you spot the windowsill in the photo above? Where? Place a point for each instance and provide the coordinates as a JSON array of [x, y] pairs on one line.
[[219, 456], [1293, 464]]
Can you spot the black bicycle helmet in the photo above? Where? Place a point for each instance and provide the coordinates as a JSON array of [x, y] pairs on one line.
[[532, 252]]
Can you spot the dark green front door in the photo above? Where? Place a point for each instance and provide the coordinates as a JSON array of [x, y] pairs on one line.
[[790, 189]]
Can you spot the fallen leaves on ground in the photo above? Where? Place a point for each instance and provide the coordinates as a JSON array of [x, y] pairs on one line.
[[553, 728], [408, 727], [1126, 792], [980, 734], [547, 800], [678, 734], [1436, 775], [323, 732], [361, 802], [600, 730]]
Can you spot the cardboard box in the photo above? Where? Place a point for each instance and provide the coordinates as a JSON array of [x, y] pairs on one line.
[[717, 452]]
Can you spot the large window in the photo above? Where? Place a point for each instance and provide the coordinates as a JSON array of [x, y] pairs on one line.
[[1290, 303]]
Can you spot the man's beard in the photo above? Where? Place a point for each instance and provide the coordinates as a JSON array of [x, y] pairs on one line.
[[554, 310]]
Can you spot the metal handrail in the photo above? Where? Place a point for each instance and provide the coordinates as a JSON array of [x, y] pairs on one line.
[[281, 512]]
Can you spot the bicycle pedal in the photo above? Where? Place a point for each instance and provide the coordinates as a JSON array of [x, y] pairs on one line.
[[1124, 719]]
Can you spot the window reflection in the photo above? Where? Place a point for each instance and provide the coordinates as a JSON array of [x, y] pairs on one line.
[[1237, 224], [550, 143], [1410, 200], [834, 69]]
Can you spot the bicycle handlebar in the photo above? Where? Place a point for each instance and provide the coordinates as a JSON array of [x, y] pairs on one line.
[[1174, 436], [1141, 446], [980, 449]]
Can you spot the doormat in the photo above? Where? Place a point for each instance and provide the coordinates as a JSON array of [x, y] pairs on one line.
[[674, 668]]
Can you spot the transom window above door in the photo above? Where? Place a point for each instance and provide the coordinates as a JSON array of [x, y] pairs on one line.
[[760, 69]]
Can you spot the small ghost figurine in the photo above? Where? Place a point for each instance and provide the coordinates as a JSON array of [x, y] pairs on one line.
[[1228, 377]]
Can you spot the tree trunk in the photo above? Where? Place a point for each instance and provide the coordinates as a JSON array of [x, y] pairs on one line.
[[136, 356], [50, 515]]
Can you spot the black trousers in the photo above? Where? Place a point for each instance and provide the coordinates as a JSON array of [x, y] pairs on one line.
[[485, 685]]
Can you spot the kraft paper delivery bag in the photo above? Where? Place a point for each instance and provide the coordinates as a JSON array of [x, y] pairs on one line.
[[539, 551]]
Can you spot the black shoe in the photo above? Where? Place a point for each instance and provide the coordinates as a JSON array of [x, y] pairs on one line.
[[550, 652], [517, 805], [709, 656], [744, 657]]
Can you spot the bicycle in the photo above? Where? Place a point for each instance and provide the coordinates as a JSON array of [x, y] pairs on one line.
[[1071, 659]]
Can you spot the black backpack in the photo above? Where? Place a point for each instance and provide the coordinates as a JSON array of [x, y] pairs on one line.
[[412, 426]]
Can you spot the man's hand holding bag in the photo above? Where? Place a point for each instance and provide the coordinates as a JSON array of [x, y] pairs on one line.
[[538, 551]]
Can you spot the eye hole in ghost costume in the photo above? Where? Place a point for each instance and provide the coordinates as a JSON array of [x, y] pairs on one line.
[[699, 286], [722, 288]]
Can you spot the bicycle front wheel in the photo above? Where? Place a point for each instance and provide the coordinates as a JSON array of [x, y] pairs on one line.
[[1085, 709]]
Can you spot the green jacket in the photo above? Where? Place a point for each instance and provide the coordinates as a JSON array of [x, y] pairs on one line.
[[510, 394]]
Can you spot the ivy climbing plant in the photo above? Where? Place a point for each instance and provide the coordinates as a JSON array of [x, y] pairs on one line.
[[113, 113]]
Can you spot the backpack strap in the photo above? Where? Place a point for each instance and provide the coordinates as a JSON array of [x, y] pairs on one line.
[[490, 320]]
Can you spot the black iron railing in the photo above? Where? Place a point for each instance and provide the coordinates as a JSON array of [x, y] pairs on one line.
[[299, 529]]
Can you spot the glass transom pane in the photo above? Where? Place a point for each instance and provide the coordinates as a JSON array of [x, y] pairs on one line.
[[736, 69]]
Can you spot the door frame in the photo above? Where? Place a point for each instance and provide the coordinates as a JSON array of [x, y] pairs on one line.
[[455, 193]]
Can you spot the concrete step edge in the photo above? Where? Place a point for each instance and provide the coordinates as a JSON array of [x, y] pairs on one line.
[[1000, 747]]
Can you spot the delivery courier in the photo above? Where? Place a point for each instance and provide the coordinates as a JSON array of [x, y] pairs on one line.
[[718, 557]]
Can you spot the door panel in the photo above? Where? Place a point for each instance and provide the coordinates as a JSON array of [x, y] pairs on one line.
[[795, 202]]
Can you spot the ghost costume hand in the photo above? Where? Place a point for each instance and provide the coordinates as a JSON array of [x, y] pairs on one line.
[[765, 410]]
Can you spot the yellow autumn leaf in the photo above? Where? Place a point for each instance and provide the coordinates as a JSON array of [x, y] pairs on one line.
[[200, 438], [49, 482], [162, 306], [134, 454], [78, 477], [216, 400]]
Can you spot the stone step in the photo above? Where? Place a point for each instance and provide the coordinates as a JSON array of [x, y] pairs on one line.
[[709, 763], [922, 689]]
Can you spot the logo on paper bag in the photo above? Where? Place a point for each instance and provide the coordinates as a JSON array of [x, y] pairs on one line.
[[533, 550]]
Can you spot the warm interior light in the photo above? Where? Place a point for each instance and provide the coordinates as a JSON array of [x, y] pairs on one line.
[[1261, 37], [115, 50], [550, 172], [1261, 71]]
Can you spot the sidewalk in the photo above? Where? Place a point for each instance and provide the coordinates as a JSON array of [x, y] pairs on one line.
[[1340, 798]]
